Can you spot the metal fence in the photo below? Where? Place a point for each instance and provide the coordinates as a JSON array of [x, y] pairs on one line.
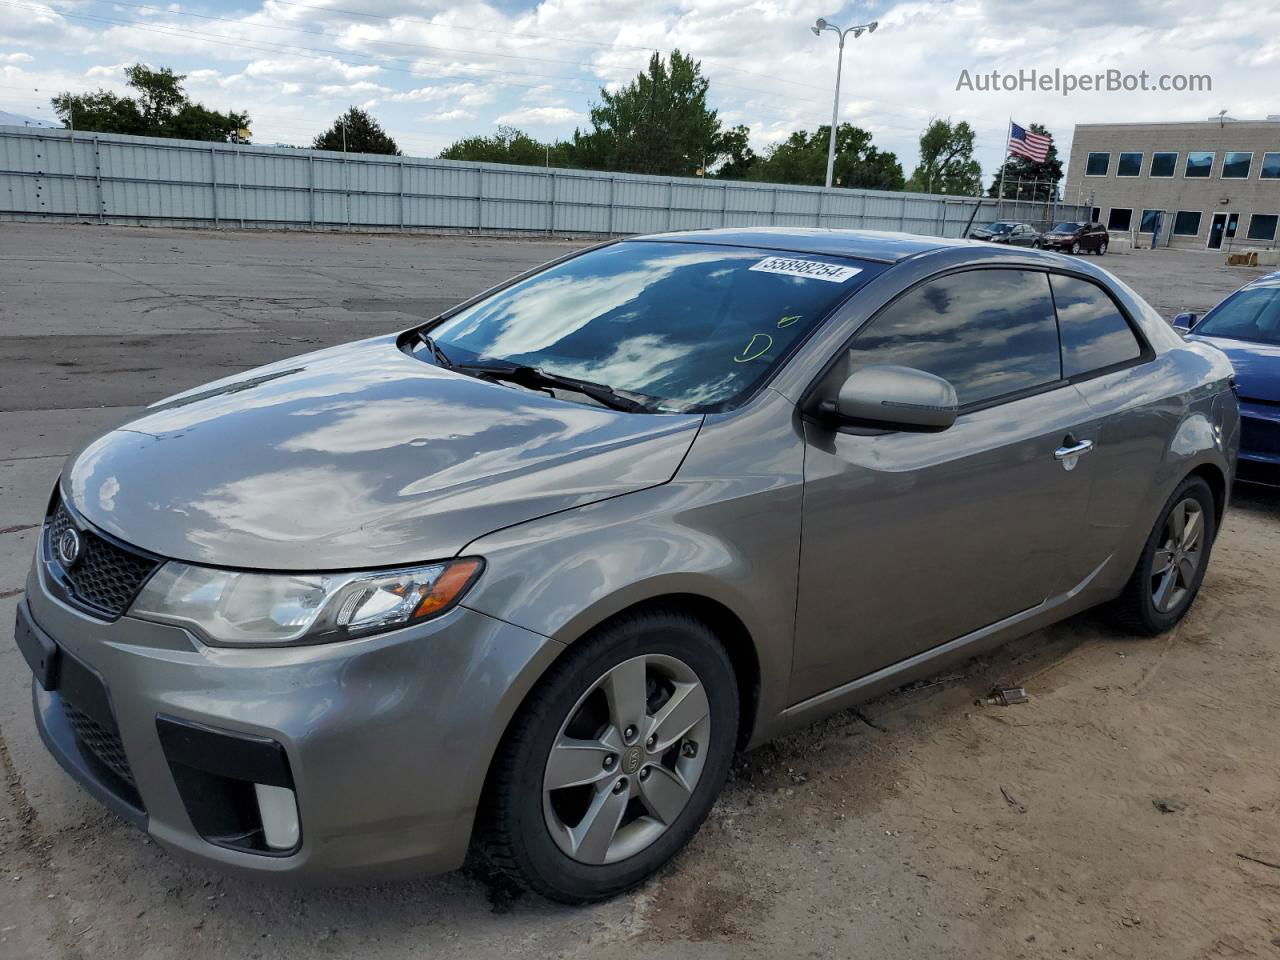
[[52, 174]]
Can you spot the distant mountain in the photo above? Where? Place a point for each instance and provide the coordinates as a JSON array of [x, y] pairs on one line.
[[18, 120]]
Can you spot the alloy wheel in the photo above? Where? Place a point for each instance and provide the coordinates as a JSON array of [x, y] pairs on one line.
[[1075, 248], [1177, 559], [1102, 248], [627, 759]]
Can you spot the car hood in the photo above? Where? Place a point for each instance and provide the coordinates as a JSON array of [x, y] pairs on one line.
[[1257, 366], [357, 456]]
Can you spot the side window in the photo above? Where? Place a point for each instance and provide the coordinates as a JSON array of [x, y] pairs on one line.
[[989, 332], [1094, 332]]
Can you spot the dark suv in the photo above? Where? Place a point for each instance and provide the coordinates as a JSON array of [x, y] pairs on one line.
[[1076, 237]]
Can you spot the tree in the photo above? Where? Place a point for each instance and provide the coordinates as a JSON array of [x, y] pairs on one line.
[[946, 160], [735, 147], [659, 123], [356, 132], [1025, 179], [161, 109], [510, 145], [802, 158]]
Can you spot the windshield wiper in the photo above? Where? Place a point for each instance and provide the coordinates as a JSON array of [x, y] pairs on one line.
[[434, 349], [533, 377]]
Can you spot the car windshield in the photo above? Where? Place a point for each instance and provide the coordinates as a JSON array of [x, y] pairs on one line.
[[1067, 227], [1251, 314], [685, 327], [998, 227]]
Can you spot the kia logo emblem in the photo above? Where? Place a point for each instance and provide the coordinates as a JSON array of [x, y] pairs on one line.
[[69, 547]]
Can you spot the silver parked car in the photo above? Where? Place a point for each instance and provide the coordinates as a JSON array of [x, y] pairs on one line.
[[520, 581]]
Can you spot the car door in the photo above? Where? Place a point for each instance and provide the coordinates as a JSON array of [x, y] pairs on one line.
[[910, 540], [1101, 351], [1022, 235]]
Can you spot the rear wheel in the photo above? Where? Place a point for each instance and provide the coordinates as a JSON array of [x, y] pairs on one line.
[[615, 760], [1102, 248], [1173, 561]]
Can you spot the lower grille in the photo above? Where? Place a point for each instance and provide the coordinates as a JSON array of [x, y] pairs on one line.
[[99, 741]]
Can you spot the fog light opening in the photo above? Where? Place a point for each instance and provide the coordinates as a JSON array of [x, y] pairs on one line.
[[279, 812]]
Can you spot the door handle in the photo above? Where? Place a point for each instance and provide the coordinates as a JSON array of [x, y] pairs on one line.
[[1072, 448]]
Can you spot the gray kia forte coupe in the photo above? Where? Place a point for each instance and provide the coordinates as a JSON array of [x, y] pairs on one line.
[[519, 582]]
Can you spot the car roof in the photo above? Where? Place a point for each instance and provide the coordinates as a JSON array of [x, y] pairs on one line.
[[874, 245]]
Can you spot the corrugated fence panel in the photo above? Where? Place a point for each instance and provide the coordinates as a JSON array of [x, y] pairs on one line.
[[52, 173]]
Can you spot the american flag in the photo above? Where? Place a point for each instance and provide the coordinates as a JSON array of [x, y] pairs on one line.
[[1025, 143]]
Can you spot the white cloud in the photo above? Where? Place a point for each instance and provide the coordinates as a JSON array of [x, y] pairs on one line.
[[542, 117], [446, 116], [16, 58], [463, 94]]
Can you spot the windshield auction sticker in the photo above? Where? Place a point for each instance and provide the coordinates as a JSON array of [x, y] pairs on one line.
[[811, 269]]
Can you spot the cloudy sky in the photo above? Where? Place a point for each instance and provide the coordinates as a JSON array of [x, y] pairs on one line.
[[435, 70]]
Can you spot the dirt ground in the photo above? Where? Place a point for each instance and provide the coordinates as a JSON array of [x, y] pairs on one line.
[[1130, 809]]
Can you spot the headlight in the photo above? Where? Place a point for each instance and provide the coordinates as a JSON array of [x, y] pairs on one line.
[[279, 609]]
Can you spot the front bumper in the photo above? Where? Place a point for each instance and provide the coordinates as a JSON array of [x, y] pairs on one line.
[[386, 741]]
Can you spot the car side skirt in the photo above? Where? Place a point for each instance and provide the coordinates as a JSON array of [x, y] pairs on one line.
[[1088, 592]]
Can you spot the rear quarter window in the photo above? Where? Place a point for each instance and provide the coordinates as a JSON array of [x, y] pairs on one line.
[[1094, 332]]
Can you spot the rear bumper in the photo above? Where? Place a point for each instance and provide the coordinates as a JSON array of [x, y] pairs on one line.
[[386, 741]]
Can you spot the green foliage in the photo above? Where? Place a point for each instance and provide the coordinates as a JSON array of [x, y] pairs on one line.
[[659, 123], [739, 158], [161, 109], [946, 160], [356, 132], [802, 159], [510, 145], [1021, 175]]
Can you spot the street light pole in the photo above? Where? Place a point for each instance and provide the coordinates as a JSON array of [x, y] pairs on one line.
[[857, 31]]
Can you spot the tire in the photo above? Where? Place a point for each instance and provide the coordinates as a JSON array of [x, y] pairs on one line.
[[526, 833], [1102, 249], [1035, 244], [1137, 608], [1075, 248]]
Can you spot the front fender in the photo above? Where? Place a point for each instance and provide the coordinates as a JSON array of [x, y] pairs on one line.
[[727, 529]]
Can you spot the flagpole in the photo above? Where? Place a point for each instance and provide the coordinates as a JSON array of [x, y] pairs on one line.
[[1008, 132]]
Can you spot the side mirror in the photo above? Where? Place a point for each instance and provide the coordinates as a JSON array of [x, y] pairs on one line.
[[1185, 321], [895, 398]]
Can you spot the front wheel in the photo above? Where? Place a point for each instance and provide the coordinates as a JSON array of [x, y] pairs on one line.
[[1102, 248], [1173, 562], [1075, 247], [615, 760]]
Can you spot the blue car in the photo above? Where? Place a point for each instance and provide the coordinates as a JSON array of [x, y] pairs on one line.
[[1246, 327]]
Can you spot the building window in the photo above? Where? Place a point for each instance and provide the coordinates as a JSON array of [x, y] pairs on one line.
[[1148, 221], [1130, 165], [1199, 163], [1164, 164], [1186, 223], [1095, 214], [1262, 226], [1270, 166], [1120, 218], [1097, 164], [1235, 165]]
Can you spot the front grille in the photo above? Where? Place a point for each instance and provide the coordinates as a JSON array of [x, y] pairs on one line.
[[101, 742], [106, 577], [1259, 436]]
